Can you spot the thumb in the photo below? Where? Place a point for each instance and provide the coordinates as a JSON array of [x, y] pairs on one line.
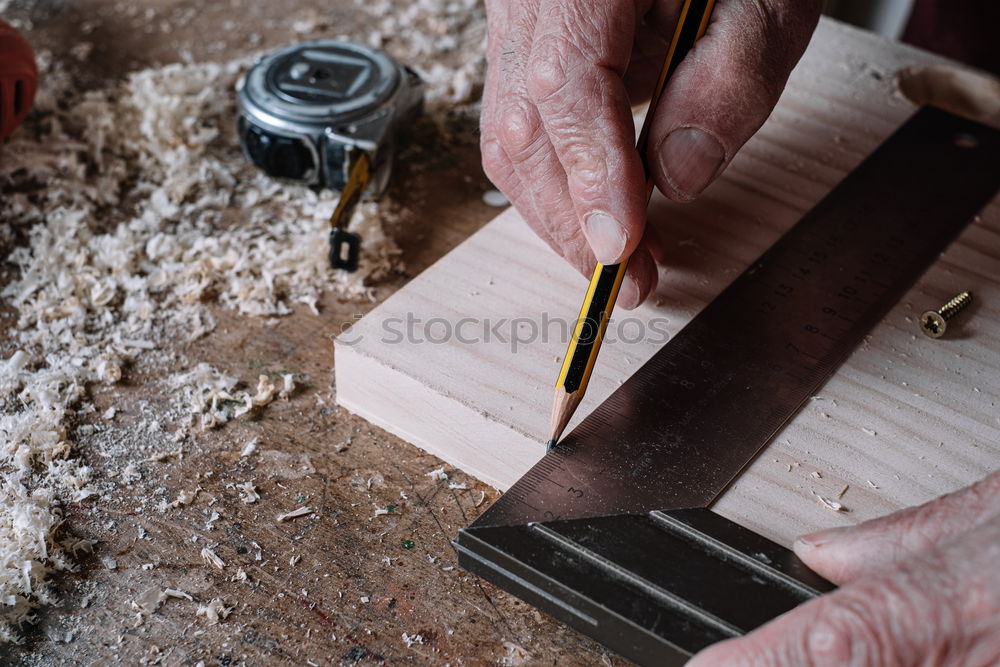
[[725, 89], [844, 554]]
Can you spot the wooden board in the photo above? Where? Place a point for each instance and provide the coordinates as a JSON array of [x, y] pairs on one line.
[[456, 362]]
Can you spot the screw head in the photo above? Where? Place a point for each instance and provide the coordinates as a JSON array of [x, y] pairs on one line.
[[932, 324]]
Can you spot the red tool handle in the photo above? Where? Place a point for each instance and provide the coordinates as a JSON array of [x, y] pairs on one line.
[[18, 79]]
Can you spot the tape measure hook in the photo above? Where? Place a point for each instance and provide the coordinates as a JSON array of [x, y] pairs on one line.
[[345, 249]]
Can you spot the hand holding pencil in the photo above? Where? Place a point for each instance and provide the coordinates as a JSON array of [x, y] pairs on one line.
[[536, 117], [557, 130]]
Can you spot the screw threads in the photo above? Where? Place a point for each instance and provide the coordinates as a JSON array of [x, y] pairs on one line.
[[934, 322], [955, 306]]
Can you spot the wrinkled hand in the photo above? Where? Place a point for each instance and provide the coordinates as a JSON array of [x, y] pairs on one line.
[[557, 130], [920, 587]]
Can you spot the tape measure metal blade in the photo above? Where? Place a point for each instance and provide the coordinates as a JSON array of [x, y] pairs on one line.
[[682, 427]]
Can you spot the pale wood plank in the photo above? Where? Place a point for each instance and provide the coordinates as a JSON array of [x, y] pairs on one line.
[[908, 415]]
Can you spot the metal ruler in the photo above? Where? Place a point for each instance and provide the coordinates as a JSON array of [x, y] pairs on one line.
[[593, 533]]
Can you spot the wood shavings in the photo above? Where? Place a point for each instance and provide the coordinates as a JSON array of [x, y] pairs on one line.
[[248, 493], [185, 497], [214, 611], [163, 456], [130, 474], [249, 448], [438, 474], [27, 522], [157, 148], [75, 544], [151, 598], [212, 559], [294, 514], [287, 385], [212, 395], [266, 392], [832, 505]]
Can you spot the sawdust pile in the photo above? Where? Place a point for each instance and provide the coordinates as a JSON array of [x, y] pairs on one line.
[[443, 40], [126, 198], [130, 209]]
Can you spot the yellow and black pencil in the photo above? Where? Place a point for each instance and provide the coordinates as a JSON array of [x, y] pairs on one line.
[[585, 343]]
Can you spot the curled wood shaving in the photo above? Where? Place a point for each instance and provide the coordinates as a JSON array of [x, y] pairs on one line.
[[212, 559], [249, 493], [301, 511], [214, 611]]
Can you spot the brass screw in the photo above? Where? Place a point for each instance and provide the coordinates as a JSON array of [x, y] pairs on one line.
[[934, 322]]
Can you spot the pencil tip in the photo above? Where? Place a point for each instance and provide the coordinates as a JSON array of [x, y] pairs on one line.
[[550, 444]]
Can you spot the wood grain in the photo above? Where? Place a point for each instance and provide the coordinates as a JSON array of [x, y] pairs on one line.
[[905, 419]]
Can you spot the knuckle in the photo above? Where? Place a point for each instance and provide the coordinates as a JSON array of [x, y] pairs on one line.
[[847, 631], [548, 69], [831, 638], [519, 129], [586, 168]]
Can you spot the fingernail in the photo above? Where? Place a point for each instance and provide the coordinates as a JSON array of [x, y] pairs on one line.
[[628, 297], [690, 159], [606, 237], [818, 539]]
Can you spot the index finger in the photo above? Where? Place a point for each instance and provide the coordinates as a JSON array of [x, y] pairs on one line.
[[574, 77]]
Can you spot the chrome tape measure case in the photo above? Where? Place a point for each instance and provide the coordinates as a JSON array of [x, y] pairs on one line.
[[309, 112]]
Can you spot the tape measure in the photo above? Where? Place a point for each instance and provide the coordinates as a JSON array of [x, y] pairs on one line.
[[326, 113], [586, 533], [18, 79]]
